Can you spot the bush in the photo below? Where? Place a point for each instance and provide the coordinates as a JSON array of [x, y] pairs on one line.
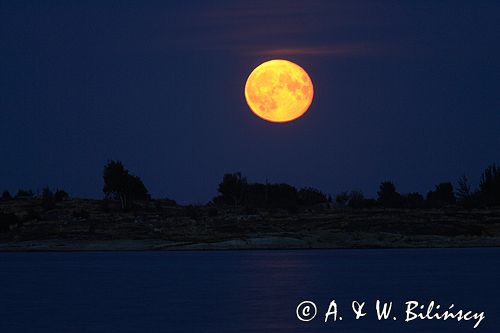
[[342, 199], [192, 212], [413, 200], [169, 202], [6, 196], [48, 199], [465, 196], [24, 194], [61, 195], [256, 195], [356, 199], [442, 195], [281, 196], [309, 196], [489, 185]]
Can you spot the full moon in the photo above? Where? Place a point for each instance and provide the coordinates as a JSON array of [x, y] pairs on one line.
[[279, 91]]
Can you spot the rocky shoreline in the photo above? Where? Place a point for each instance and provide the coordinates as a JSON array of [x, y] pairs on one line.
[[257, 243], [94, 225]]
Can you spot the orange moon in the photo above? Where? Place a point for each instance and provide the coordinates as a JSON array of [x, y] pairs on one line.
[[279, 91]]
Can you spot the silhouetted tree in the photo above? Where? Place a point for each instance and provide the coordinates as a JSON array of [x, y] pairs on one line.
[[192, 211], [115, 176], [489, 185], [356, 199], [387, 195], [6, 196], [232, 188], [270, 196], [22, 194], [48, 199], [61, 195], [342, 199], [169, 202], [282, 196], [413, 200], [235, 190], [256, 195], [463, 189], [136, 189], [123, 186], [309, 196], [442, 195]]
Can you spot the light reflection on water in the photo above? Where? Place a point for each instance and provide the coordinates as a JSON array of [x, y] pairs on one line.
[[240, 291]]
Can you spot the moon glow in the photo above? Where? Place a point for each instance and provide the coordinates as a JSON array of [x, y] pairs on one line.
[[279, 91]]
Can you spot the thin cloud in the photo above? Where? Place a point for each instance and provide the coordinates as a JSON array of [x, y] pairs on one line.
[[330, 50], [278, 28], [334, 50]]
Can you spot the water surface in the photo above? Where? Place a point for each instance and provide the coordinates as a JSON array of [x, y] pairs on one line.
[[241, 291]]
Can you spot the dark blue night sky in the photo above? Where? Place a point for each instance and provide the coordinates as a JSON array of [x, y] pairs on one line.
[[407, 91]]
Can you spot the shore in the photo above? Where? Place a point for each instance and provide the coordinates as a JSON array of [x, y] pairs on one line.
[[91, 225], [258, 243]]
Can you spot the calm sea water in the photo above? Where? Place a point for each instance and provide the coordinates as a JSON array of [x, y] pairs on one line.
[[242, 291]]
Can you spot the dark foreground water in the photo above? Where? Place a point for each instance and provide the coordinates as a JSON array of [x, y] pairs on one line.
[[244, 291]]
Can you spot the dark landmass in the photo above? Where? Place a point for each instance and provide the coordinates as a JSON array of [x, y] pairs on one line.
[[100, 225]]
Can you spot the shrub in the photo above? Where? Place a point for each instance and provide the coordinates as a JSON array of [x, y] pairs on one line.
[[342, 199], [309, 196], [281, 196], [192, 212], [413, 200], [61, 195], [257, 195], [489, 185], [23, 194], [48, 199], [6, 196], [169, 202], [464, 194], [442, 195], [356, 199]]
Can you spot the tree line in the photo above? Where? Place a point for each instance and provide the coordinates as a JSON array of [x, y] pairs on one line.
[[236, 191], [444, 194]]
